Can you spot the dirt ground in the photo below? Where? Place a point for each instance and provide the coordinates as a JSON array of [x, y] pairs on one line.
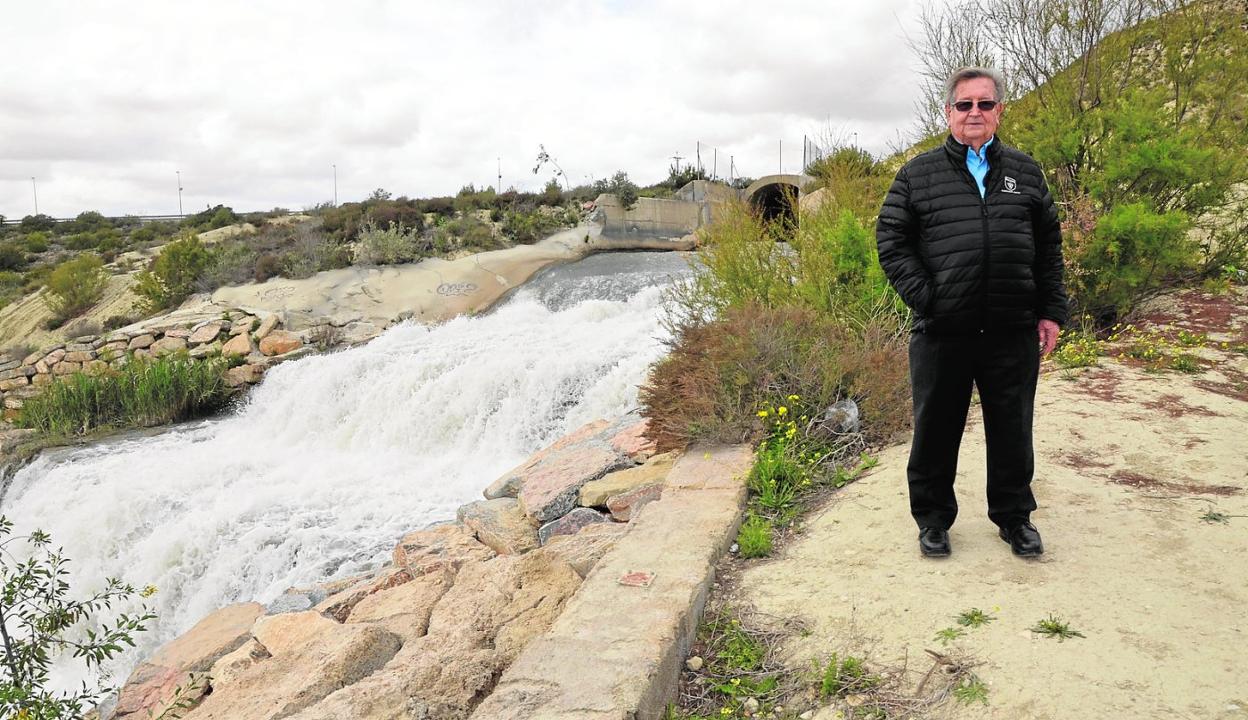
[[1132, 465]]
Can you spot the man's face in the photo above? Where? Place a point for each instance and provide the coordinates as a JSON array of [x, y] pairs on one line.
[[974, 127]]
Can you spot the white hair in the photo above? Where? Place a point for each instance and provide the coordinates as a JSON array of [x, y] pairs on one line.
[[970, 73]]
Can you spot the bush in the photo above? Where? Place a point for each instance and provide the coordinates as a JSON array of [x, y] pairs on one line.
[[36, 242], [211, 219], [11, 257], [719, 372], [387, 246], [174, 273], [528, 227], [1131, 253], [36, 223], [39, 619], [11, 287], [74, 286], [140, 394], [621, 187]]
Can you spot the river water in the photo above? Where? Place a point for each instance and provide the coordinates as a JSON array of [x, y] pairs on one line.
[[334, 457]]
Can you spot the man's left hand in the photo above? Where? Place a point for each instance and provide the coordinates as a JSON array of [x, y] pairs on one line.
[[1048, 331]]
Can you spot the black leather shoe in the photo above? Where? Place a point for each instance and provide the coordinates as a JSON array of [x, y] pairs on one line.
[[1024, 540], [934, 542]]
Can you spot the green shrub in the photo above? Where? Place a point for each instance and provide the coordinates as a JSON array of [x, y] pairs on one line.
[[527, 227], [74, 286], [387, 246], [173, 275], [41, 623], [621, 187], [754, 539], [140, 394], [1132, 253], [210, 219], [11, 285], [36, 242], [719, 372], [11, 257]]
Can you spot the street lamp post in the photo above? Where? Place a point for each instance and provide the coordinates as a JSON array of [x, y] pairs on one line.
[[179, 174], [35, 191], [335, 166]]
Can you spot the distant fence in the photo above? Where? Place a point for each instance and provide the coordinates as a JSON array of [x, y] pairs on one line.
[[155, 218]]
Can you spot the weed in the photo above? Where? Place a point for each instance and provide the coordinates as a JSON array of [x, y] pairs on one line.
[[947, 635], [1078, 349], [1055, 627], [971, 690], [847, 676], [754, 539], [1187, 363], [1213, 516], [974, 618]]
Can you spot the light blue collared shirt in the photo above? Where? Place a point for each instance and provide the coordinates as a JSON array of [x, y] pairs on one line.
[[977, 163]]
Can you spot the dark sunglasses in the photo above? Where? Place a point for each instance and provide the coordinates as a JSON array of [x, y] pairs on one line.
[[984, 105]]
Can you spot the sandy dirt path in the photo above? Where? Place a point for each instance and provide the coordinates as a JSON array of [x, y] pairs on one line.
[[1128, 461]]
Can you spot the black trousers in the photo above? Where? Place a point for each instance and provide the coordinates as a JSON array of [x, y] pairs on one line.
[[1004, 366]]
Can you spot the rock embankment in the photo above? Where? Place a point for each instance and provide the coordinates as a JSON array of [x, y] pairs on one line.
[[429, 634], [255, 340]]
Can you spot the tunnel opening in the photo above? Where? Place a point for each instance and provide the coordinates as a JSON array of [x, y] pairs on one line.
[[777, 203]]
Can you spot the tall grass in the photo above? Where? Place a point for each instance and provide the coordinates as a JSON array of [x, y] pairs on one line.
[[142, 393]]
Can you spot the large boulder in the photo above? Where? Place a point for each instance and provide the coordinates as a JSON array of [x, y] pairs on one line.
[[631, 440], [339, 605], [151, 686], [205, 333], [508, 484], [279, 342], [450, 546], [625, 506], [168, 345], [570, 524], [240, 344], [596, 492], [311, 657], [475, 631], [405, 610], [584, 549], [552, 488], [500, 524]]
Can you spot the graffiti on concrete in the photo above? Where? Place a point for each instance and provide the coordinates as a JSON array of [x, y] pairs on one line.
[[457, 288]]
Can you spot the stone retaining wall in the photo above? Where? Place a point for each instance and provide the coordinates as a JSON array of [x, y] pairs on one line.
[[256, 338]]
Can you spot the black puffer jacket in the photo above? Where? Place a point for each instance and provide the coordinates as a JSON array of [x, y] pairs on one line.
[[966, 264]]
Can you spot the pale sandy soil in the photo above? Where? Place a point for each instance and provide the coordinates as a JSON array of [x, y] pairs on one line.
[[1127, 463]]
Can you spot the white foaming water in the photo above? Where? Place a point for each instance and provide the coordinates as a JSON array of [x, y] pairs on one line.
[[334, 457]]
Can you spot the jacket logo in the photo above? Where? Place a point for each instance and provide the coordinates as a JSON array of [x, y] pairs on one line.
[[1011, 186]]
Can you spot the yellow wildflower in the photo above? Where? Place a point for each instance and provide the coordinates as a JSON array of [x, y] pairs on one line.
[[763, 413], [782, 410]]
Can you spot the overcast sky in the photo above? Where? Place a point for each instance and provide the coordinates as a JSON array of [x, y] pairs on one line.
[[254, 102]]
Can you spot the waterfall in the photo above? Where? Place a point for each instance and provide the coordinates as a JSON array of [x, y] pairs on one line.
[[334, 457]]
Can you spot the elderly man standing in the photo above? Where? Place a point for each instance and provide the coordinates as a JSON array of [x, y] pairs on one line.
[[969, 238]]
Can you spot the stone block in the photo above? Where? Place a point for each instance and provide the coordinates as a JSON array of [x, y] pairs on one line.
[[596, 492], [239, 345], [168, 345], [571, 523], [625, 506], [500, 524], [204, 334], [279, 342], [449, 545], [80, 356], [267, 326], [141, 341]]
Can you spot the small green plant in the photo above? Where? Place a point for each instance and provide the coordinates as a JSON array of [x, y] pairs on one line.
[[40, 623], [754, 539], [74, 286], [1077, 349], [847, 676], [971, 690], [974, 618], [947, 635], [1186, 363], [1054, 627], [1212, 516]]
